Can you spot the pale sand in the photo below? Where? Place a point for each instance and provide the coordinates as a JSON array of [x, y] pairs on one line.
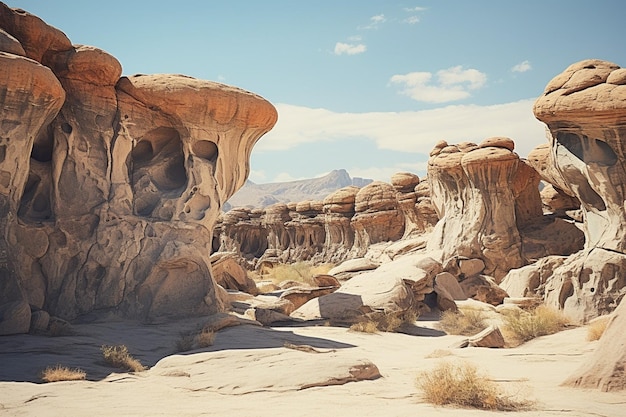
[[249, 372]]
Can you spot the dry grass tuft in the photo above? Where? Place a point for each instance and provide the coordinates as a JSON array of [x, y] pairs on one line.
[[299, 271], [439, 353], [62, 373], [197, 340], [384, 322], [596, 328], [119, 357], [522, 326], [365, 326], [462, 385], [466, 323]]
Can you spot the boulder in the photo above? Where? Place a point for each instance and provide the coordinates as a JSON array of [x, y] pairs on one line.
[[363, 294], [228, 273], [491, 337]]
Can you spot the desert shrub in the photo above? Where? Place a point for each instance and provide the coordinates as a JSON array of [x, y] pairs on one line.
[[119, 357], [195, 340], [365, 326], [461, 385], [384, 322], [596, 328], [523, 326], [466, 323], [298, 271], [62, 373]]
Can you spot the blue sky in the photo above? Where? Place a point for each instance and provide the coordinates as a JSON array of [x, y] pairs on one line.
[[367, 85]]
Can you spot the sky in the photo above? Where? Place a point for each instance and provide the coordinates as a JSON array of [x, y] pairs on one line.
[[365, 85]]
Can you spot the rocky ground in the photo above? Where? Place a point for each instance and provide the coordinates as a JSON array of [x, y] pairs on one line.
[[262, 371]]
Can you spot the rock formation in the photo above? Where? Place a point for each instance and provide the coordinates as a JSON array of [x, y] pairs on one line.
[[110, 186], [414, 202], [482, 198], [606, 369], [585, 109], [376, 217]]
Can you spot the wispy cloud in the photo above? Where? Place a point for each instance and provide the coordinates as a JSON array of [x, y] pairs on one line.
[[451, 84], [414, 9], [375, 22], [412, 20], [349, 48], [416, 131], [522, 67]]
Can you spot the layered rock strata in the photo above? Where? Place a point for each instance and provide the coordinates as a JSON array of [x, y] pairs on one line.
[[110, 186]]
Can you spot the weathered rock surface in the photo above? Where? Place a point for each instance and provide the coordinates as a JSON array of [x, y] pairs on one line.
[[113, 208], [606, 369], [376, 217], [414, 203], [584, 109], [485, 179]]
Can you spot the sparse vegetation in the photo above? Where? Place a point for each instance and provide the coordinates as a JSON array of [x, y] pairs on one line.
[[596, 328], [195, 340], [522, 326], [119, 357], [461, 385], [62, 373], [299, 271], [439, 353], [384, 322], [467, 322]]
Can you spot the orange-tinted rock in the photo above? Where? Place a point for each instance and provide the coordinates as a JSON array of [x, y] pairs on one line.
[[114, 209]]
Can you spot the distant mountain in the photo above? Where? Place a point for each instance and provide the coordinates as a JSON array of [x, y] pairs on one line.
[[263, 195]]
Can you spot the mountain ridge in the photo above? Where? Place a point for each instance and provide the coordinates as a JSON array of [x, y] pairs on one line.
[[262, 195]]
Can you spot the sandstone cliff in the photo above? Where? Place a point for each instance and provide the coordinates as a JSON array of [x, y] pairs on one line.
[[110, 185]]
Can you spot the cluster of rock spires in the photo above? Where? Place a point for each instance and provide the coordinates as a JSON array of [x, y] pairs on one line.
[[342, 226], [110, 188]]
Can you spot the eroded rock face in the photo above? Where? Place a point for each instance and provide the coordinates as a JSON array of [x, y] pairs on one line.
[[584, 109], [414, 203], [113, 208], [376, 218], [483, 194]]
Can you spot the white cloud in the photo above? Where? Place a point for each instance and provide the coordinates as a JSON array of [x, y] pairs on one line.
[[452, 84], [375, 21], [416, 131], [522, 67], [412, 20], [355, 38], [349, 48]]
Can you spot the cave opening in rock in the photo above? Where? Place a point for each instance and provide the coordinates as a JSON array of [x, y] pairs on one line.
[[205, 149], [157, 170]]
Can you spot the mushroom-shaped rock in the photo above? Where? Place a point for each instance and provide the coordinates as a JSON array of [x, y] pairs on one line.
[[339, 234], [377, 218], [584, 109], [115, 207], [417, 218], [478, 196]]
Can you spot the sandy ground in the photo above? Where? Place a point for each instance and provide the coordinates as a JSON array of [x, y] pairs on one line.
[[249, 372]]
